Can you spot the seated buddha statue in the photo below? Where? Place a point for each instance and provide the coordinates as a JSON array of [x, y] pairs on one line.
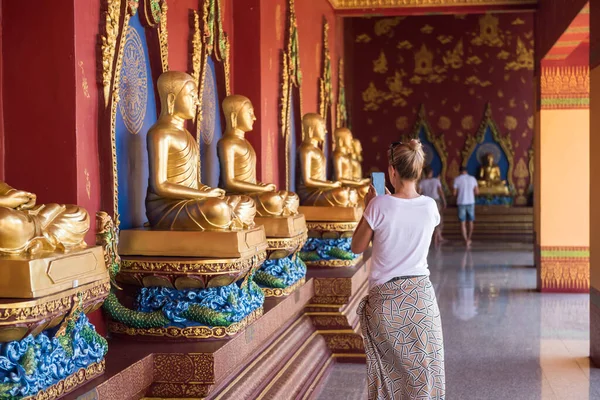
[[27, 228], [238, 162], [490, 178], [313, 187], [357, 159], [176, 199], [342, 162]]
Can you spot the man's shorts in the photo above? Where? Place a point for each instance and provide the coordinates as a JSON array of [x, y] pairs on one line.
[[466, 212]]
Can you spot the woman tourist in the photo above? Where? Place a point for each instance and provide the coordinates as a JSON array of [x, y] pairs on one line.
[[400, 318]]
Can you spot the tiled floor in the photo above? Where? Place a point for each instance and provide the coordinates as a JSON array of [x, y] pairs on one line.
[[503, 340]]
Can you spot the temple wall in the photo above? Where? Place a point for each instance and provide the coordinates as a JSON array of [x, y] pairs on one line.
[[453, 66], [595, 181], [565, 163], [554, 16]]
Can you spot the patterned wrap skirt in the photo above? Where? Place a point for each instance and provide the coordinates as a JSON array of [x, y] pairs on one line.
[[402, 331]]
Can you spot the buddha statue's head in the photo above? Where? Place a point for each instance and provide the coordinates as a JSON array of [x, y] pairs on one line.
[[489, 159], [178, 94], [313, 127], [343, 140], [239, 113]]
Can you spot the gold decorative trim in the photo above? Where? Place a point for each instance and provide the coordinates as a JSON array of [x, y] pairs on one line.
[[286, 243], [505, 143], [198, 266], [334, 263], [163, 36], [196, 49], [531, 165], [331, 226], [39, 309], [109, 45], [70, 383], [192, 332], [291, 78], [359, 4], [278, 292], [342, 109], [325, 86], [438, 142]]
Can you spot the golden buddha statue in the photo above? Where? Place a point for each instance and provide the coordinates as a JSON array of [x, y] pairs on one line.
[[27, 228], [357, 159], [313, 187], [238, 162], [490, 178], [342, 162], [176, 199]]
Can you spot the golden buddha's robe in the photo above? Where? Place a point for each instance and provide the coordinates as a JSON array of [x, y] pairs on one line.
[[315, 190], [357, 172], [240, 177], [171, 213], [46, 227], [344, 172]]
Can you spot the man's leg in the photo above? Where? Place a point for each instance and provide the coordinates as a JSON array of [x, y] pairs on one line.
[[463, 228], [471, 219], [462, 217]]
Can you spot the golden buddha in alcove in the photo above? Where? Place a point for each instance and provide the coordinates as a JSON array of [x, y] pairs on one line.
[[490, 178], [238, 162], [313, 187], [27, 228], [176, 199], [343, 163]]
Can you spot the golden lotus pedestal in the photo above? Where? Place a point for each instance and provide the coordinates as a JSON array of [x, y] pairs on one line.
[[38, 293], [187, 260], [285, 238], [331, 223]]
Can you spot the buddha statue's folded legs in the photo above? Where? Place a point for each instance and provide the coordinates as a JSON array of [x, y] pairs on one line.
[[50, 227], [276, 204], [231, 212], [337, 197]]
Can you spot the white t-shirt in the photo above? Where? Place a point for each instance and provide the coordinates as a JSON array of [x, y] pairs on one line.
[[401, 240], [465, 185], [431, 188]]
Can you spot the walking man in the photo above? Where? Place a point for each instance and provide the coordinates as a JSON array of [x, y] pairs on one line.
[[465, 190]]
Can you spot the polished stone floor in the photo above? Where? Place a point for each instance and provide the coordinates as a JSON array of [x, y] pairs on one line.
[[503, 340]]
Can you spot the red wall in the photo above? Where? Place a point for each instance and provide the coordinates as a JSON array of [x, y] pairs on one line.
[[481, 77], [40, 142]]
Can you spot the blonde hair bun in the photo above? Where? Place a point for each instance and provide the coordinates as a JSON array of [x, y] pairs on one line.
[[414, 145]]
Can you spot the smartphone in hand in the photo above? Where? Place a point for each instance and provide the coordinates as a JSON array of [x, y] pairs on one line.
[[378, 181]]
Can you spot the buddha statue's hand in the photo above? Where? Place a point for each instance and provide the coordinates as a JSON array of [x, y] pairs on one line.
[[19, 200], [216, 192], [336, 184], [270, 187]]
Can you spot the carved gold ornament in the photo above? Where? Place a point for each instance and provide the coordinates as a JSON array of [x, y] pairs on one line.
[[359, 4]]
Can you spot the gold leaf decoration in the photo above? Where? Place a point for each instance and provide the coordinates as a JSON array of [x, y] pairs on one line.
[[444, 123], [510, 123], [457, 107], [512, 103], [397, 89], [453, 58], [500, 93], [443, 39], [473, 80], [405, 45], [363, 38], [380, 65], [474, 60], [384, 26], [467, 122], [489, 33], [503, 55], [401, 123], [453, 170], [372, 97], [518, 21], [521, 170], [416, 80], [427, 29], [423, 61], [530, 122], [524, 58]]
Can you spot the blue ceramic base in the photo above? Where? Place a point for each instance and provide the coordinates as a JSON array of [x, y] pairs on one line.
[[33, 364], [317, 249], [281, 273], [494, 200]]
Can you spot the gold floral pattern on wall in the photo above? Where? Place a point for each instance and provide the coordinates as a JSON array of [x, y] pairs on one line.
[[453, 65]]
